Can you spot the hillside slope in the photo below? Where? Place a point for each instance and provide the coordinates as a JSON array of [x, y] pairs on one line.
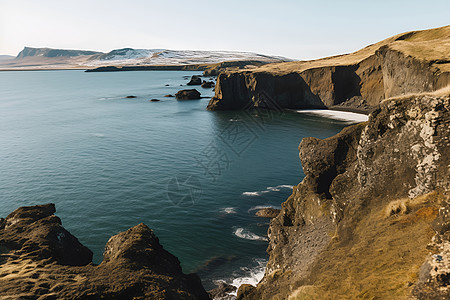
[[412, 62]]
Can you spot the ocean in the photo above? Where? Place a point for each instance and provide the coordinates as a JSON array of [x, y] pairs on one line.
[[109, 162]]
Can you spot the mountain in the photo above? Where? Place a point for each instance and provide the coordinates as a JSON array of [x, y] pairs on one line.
[[47, 58]]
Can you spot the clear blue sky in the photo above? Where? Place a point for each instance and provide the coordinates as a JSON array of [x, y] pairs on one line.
[[296, 29]]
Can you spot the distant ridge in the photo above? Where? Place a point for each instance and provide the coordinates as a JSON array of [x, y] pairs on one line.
[[48, 52]]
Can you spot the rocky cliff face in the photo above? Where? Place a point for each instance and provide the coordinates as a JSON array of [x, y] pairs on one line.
[[39, 259], [371, 217], [407, 63]]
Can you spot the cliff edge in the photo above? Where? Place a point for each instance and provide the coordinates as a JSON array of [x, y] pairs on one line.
[[39, 259], [412, 62], [371, 217]]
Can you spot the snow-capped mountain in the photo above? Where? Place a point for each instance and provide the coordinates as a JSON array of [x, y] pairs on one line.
[[128, 56], [47, 58]]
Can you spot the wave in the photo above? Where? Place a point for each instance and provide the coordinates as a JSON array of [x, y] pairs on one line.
[[248, 235], [337, 115], [251, 275], [258, 207], [228, 210], [268, 190], [98, 135]]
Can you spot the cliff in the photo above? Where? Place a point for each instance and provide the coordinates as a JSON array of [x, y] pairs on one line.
[[39, 259], [371, 217], [412, 62]]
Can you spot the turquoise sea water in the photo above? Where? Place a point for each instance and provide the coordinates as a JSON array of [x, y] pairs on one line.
[[108, 163]]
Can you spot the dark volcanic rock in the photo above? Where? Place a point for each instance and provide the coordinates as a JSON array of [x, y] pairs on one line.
[[40, 259], [35, 232], [267, 212], [188, 94], [207, 84], [154, 100], [130, 97], [195, 80], [169, 95]]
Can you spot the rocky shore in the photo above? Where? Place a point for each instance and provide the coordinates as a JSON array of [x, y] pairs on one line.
[[39, 259]]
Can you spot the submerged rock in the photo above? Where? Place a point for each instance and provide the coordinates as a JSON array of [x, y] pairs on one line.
[[268, 212], [40, 259], [155, 100], [192, 94], [131, 97]]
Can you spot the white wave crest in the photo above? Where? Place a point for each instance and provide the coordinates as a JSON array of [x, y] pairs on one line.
[[251, 275], [268, 189], [228, 210], [337, 115], [245, 234]]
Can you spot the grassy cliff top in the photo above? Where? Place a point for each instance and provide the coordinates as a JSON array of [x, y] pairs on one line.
[[431, 45]]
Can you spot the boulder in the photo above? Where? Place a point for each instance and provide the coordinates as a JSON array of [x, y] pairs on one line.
[[155, 100], [130, 97], [188, 94], [195, 80], [207, 84], [169, 95]]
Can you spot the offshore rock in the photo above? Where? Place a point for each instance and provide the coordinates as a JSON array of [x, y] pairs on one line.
[[195, 80], [207, 84], [192, 94], [39, 259]]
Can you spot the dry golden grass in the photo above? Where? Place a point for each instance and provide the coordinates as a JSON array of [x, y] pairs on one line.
[[382, 260], [445, 91]]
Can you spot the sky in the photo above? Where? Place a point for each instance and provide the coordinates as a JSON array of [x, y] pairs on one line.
[[295, 29]]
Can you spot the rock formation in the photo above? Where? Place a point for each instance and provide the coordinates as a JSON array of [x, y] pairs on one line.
[[371, 217], [268, 212], [207, 84], [406, 63], [195, 80], [39, 259], [192, 94]]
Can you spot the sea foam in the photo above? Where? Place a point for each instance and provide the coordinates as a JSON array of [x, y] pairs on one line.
[[268, 190], [248, 235], [337, 115]]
